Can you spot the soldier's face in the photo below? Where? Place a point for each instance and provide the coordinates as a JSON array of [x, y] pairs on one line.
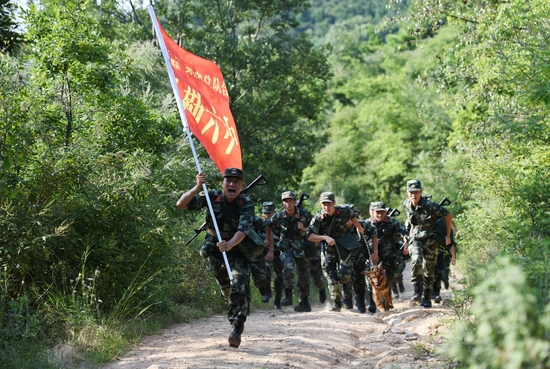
[[232, 187], [328, 208], [267, 215], [415, 196], [289, 204], [380, 215]]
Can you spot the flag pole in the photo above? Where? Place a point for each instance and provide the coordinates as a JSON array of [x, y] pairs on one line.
[[181, 109]]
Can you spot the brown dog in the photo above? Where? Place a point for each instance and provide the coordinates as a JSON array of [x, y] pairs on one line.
[[381, 291]]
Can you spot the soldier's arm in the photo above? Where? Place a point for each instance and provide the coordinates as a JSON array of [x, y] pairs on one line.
[[246, 221], [357, 225], [375, 250], [313, 236], [270, 240], [234, 241], [186, 198], [449, 224], [453, 254]]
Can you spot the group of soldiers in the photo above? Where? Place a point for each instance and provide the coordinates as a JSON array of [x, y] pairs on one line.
[[334, 241]]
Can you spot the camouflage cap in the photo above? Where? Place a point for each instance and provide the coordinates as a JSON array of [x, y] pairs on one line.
[[327, 197], [414, 185], [233, 172], [288, 195], [377, 206], [268, 207]]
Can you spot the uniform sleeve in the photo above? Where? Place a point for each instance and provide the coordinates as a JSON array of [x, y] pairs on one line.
[[314, 226], [259, 224], [272, 222], [438, 210], [399, 227], [199, 200], [406, 206], [370, 230], [307, 217], [246, 220]]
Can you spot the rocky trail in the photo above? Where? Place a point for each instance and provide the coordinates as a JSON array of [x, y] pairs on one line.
[[401, 338]]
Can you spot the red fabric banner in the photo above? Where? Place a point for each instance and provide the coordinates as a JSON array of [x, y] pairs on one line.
[[206, 101]]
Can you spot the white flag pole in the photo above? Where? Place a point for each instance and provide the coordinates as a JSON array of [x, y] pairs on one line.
[[186, 126]]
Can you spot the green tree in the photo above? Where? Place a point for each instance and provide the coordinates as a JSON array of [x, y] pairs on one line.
[[82, 156], [386, 127], [10, 37], [276, 81], [499, 63]]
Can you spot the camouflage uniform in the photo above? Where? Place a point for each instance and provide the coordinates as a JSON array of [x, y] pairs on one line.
[[291, 245], [423, 247], [259, 267], [230, 218], [316, 273], [361, 262], [442, 269], [401, 265], [336, 270], [390, 232], [260, 225]]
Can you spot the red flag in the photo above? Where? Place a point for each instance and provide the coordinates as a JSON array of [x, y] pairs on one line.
[[206, 101]]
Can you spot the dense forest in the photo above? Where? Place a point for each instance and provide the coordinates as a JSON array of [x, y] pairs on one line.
[[352, 97]]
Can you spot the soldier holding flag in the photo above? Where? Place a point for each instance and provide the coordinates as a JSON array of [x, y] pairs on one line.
[[203, 100], [234, 213]]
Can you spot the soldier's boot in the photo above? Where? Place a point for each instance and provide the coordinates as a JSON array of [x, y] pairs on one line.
[[401, 287], [417, 295], [426, 300], [303, 306], [288, 297], [346, 296], [446, 283], [266, 293], [395, 291], [437, 293], [235, 335], [277, 299], [372, 305], [436, 286], [322, 295], [360, 302]]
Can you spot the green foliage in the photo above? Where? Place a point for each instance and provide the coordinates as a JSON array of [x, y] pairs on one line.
[[328, 18], [494, 76], [500, 127], [386, 128], [276, 80], [10, 37], [90, 175], [504, 329]]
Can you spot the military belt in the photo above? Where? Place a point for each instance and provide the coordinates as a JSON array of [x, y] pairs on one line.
[[225, 235]]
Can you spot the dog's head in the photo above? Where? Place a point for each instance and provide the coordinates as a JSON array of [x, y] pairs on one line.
[[376, 276]]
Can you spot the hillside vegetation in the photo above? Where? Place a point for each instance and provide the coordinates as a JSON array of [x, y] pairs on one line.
[[353, 97]]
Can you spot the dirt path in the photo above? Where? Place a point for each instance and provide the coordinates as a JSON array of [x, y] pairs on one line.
[[320, 339]]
